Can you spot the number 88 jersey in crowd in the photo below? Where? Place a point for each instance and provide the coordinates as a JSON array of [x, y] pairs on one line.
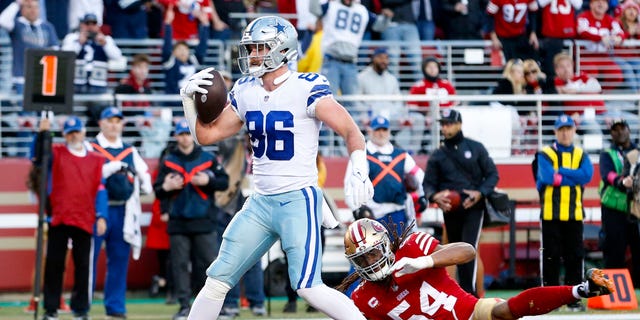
[[426, 294], [283, 129]]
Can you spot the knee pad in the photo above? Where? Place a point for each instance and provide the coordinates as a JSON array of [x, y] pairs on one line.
[[214, 289]]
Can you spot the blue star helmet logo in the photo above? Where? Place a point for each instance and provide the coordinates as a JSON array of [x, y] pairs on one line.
[[279, 27]]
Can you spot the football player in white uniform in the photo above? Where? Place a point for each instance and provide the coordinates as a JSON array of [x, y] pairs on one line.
[[283, 112]]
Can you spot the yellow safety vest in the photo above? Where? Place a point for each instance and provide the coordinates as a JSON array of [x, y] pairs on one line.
[[562, 203]]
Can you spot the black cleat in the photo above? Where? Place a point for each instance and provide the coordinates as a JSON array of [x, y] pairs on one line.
[[596, 284]]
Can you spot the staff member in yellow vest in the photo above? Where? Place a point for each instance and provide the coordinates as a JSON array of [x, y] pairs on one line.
[[620, 228], [563, 170]]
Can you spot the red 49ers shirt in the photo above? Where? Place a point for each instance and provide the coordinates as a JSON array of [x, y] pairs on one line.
[[430, 292]]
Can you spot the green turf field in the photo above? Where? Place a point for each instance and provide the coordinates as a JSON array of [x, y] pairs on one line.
[[139, 307]]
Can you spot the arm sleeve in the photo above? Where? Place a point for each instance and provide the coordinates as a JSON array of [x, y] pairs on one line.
[[608, 172], [161, 194], [111, 49], [8, 16], [489, 171], [220, 179], [102, 201], [431, 177], [167, 45], [580, 176], [201, 49], [545, 170], [71, 43], [143, 173], [411, 167]]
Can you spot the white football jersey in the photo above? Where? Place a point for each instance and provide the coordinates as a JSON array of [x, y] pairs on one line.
[[283, 129], [344, 24]]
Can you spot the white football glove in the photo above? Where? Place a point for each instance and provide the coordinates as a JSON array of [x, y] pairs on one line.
[[112, 167], [411, 265], [188, 91], [358, 187], [195, 81]]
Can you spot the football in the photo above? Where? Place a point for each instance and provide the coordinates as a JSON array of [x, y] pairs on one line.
[[209, 106], [454, 197]]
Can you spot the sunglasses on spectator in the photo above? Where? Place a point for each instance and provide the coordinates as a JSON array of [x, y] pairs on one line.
[[526, 73]]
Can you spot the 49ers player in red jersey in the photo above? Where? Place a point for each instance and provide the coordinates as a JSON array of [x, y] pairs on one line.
[[407, 279]]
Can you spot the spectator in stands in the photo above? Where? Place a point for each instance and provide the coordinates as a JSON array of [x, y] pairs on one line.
[[127, 19], [603, 33], [463, 165], [94, 49], [187, 17], [78, 9], [563, 170], [556, 27], [630, 23], [619, 227], [376, 79], [514, 82], [567, 82], [127, 177], [178, 62], [431, 85], [341, 40], [514, 28], [464, 19], [78, 200], [26, 30], [228, 28], [136, 83], [425, 13], [189, 177], [404, 30], [537, 83], [536, 80], [305, 25]]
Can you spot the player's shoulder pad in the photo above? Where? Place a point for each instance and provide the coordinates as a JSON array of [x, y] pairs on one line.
[[422, 241]]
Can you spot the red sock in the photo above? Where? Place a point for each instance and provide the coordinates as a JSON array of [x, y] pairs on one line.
[[540, 300]]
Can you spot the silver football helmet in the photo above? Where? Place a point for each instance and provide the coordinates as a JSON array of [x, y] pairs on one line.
[[368, 248], [276, 35]]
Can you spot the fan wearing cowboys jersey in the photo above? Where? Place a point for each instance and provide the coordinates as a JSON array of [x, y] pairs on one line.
[[407, 279], [282, 112]]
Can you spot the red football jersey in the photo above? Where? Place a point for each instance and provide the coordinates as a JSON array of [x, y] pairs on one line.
[[430, 293], [440, 88], [593, 29], [559, 18], [510, 16], [580, 83]]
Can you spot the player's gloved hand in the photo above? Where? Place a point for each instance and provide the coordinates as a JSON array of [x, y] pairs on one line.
[[112, 167], [188, 91], [358, 188], [195, 81], [411, 265]]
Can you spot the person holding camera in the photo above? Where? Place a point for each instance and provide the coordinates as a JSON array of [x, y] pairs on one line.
[[127, 177], [94, 49], [187, 180]]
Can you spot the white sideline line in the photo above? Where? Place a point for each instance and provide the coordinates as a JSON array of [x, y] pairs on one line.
[[601, 316]]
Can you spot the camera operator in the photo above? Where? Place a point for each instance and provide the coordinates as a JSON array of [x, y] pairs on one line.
[[94, 50]]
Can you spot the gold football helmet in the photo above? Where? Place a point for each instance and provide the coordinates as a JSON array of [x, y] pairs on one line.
[[368, 248]]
